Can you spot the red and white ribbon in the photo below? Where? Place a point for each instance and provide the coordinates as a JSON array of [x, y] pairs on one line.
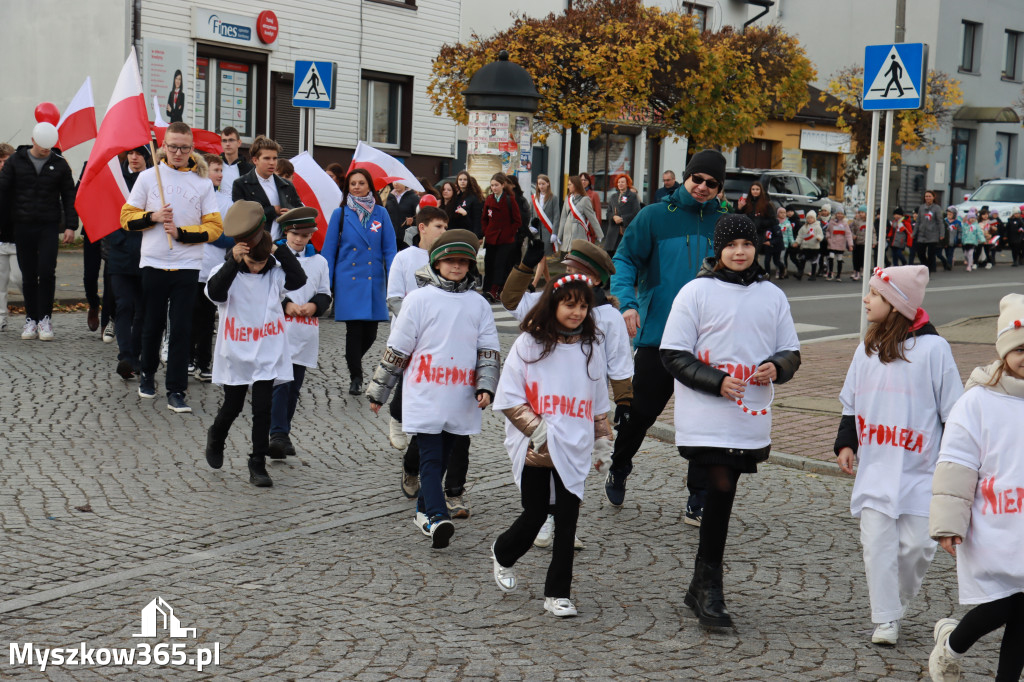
[[591, 237]]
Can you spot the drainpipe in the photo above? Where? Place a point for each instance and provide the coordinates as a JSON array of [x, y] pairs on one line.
[[765, 5], [137, 25]]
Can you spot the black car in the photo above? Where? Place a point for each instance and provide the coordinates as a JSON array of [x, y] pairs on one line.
[[785, 188]]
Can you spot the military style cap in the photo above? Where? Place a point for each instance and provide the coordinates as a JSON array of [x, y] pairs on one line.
[[244, 221], [301, 220], [455, 244], [590, 257]]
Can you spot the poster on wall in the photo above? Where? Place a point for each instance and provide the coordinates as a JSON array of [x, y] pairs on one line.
[[164, 77], [497, 141]]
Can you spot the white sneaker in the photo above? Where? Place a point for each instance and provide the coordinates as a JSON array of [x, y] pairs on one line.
[[560, 606], [505, 577], [45, 329], [988, 266], [577, 543], [423, 523], [108, 333], [941, 666], [886, 633], [399, 439], [29, 331], [546, 534]]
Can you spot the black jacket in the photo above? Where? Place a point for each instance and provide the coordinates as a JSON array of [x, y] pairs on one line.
[[176, 108], [398, 211], [220, 282], [248, 188], [470, 221], [44, 200], [122, 248]]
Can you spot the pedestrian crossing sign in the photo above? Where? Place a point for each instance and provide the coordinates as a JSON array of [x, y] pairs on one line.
[[313, 84], [894, 76]]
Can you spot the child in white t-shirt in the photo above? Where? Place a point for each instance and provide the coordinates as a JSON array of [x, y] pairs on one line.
[[977, 502], [445, 340], [302, 311], [554, 396], [252, 348], [899, 390], [728, 338]]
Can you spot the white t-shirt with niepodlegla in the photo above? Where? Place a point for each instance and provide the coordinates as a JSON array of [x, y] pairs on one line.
[[617, 349], [567, 392], [214, 255], [441, 332], [251, 342], [733, 328], [983, 434], [402, 274], [304, 332], [899, 409], [191, 197]]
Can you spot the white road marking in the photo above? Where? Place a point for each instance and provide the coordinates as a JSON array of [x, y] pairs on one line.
[[804, 328], [826, 297]]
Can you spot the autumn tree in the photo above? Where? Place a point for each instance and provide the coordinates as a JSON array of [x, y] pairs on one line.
[[608, 61], [914, 129]]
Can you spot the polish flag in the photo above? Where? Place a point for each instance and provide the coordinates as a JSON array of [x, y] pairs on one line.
[[383, 167], [318, 190], [78, 124], [204, 140], [125, 126]]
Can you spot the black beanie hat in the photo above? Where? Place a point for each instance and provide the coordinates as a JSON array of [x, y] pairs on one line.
[[733, 226], [707, 161]]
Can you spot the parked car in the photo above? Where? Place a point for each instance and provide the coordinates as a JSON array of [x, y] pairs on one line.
[[1001, 196], [785, 188]]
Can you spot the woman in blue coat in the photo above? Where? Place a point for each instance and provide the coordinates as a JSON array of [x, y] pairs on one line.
[[359, 247]]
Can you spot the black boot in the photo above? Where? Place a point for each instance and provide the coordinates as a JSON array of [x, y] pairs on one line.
[[258, 475], [705, 596], [214, 449], [280, 446], [356, 386]]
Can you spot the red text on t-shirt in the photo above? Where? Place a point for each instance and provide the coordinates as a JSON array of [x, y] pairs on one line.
[[895, 436], [568, 406], [427, 372], [236, 333], [1005, 501]]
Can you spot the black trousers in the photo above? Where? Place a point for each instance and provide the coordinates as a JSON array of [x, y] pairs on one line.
[[458, 464], [204, 314], [983, 619], [535, 492], [396, 400], [234, 401], [173, 292], [108, 310], [773, 254], [92, 258], [359, 336], [804, 256], [858, 257], [652, 388], [496, 265], [127, 291], [37, 258], [926, 253]]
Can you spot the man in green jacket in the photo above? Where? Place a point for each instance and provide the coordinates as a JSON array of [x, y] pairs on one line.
[[662, 250]]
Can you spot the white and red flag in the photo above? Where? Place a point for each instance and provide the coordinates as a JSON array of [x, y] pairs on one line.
[[78, 123], [318, 190], [125, 126], [383, 167], [204, 140]]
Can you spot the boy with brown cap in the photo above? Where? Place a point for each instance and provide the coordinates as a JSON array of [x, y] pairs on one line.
[[252, 349]]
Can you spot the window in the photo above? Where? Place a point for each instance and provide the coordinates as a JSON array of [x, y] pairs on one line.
[[225, 95], [808, 188], [385, 110], [961, 150], [699, 13], [1004, 155], [608, 157], [972, 37], [1011, 69], [783, 184]]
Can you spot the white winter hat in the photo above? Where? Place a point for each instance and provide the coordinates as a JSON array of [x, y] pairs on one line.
[[1010, 332], [45, 135]]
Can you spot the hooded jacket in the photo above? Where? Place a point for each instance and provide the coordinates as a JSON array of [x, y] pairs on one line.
[[662, 250], [43, 200]]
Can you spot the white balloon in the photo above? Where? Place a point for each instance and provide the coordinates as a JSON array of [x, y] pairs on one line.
[[45, 135]]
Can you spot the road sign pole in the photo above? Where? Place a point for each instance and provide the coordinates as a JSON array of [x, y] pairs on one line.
[[312, 130], [302, 132], [886, 169], [873, 227]]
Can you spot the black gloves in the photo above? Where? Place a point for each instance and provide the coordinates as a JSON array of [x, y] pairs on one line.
[[535, 248]]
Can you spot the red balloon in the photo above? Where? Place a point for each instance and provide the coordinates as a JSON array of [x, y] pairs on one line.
[[47, 112], [428, 200]]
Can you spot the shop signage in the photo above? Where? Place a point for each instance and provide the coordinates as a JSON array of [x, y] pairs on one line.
[[266, 26], [234, 29], [824, 141]]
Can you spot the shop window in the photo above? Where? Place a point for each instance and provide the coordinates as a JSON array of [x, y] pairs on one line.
[[225, 95], [969, 52], [699, 14], [608, 157], [821, 168], [1011, 69], [385, 111]]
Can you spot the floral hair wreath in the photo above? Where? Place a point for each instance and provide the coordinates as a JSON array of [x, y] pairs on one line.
[[562, 281], [884, 276]]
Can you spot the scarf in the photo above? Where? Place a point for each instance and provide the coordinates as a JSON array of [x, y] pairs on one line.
[[363, 206], [1007, 385]]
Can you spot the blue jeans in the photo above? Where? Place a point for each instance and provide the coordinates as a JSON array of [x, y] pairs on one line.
[[435, 448], [897, 256], [286, 396]]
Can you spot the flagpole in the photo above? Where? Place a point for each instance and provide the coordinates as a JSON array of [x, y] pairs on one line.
[[159, 184]]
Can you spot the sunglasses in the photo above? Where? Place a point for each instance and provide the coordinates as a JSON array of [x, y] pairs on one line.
[[710, 183]]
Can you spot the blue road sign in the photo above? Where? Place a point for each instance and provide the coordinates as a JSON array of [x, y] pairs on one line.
[[313, 86], [894, 76]]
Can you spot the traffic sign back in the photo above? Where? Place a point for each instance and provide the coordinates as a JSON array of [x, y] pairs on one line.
[[313, 85], [894, 76]]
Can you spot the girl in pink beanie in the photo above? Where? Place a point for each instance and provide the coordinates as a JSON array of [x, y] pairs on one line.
[[899, 390]]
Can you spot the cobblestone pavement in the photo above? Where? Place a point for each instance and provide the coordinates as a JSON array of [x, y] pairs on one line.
[[108, 503]]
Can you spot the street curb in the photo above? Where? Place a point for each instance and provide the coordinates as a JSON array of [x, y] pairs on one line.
[[666, 432]]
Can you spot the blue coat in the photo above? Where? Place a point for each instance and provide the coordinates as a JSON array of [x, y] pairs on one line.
[[359, 259]]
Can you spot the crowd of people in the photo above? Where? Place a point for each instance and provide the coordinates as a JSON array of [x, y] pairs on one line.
[[229, 276]]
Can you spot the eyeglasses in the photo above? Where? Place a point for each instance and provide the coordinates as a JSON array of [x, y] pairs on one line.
[[710, 183], [179, 149]]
